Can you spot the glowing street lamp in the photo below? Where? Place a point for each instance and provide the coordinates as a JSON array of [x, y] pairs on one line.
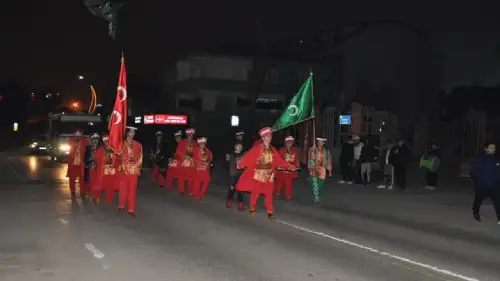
[[81, 77], [75, 105]]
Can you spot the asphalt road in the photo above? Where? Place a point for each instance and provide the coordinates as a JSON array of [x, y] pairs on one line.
[[361, 234]]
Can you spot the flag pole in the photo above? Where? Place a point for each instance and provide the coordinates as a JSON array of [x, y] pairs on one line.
[[314, 106]]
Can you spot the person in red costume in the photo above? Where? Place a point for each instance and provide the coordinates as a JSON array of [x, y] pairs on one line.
[[202, 158], [130, 166], [173, 164], [261, 163], [107, 167], [286, 177], [187, 170], [76, 162]]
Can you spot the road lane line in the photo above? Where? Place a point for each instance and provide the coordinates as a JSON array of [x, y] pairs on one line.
[[382, 253], [63, 221], [91, 248]]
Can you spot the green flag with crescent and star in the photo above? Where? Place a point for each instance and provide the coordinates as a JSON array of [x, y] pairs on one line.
[[300, 108]]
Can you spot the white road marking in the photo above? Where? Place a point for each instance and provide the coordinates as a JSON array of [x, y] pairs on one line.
[[63, 221], [91, 248], [382, 253]]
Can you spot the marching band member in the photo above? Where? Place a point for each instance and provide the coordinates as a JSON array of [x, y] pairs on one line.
[[158, 155], [76, 159], [187, 170], [107, 166], [173, 164], [131, 165], [203, 158], [91, 176], [285, 177], [320, 162], [234, 176], [261, 163]]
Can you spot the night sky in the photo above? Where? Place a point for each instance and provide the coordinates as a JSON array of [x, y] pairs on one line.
[[50, 43]]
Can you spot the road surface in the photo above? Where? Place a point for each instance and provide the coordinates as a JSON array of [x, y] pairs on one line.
[[361, 234]]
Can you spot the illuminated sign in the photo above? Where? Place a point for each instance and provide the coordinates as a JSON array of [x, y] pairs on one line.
[[149, 119], [345, 119], [165, 119]]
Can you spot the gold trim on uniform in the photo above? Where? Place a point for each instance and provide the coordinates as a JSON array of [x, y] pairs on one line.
[[264, 175], [77, 161], [188, 160]]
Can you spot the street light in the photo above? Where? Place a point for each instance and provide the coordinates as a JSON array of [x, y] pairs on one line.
[[81, 77], [75, 105]]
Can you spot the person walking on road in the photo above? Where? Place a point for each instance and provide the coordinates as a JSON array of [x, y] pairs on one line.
[[320, 166], [284, 177], [131, 157], [368, 155], [346, 162], [388, 168], [431, 162], [234, 176], [356, 165], [485, 172], [399, 158]]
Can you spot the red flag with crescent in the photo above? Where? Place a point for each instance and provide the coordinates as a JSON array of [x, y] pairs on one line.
[[118, 120]]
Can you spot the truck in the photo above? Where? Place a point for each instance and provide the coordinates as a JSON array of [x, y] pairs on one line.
[[61, 128]]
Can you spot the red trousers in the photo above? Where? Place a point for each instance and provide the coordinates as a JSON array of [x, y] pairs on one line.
[[186, 175], [284, 179], [110, 184], [128, 191], [201, 182], [156, 174], [172, 174], [265, 189], [94, 185], [75, 172]]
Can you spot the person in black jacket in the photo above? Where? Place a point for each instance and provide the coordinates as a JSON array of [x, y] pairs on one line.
[[399, 158], [485, 172], [368, 155], [346, 162], [157, 154]]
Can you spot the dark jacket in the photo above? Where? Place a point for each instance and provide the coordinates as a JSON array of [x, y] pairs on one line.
[[347, 154], [399, 155], [485, 172], [162, 158], [368, 154], [89, 162]]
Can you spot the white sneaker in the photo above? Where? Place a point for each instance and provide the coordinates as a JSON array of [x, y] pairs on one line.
[[431, 188], [498, 222], [349, 182], [342, 182], [381, 186], [390, 187]]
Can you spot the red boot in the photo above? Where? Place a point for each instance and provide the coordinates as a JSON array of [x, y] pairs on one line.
[[229, 204], [241, 207]]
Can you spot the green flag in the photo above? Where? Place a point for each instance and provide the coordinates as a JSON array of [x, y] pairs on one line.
[[300, 108]]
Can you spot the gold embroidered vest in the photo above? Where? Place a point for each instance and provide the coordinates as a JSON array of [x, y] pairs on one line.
[[263, 171]]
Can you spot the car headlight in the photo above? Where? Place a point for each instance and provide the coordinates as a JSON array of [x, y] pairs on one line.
[[33, 145], [64, 147]]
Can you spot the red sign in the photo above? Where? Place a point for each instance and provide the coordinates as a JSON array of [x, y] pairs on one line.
[[165, 119], [149, 119]]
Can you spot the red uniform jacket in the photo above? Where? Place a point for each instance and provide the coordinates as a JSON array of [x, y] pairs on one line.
[[203, 158], [77, 155], [107, 162], [292, 157], [256, 142], [260, 167], [131, 158], [185, 153]]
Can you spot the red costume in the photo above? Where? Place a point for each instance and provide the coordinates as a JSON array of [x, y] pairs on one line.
[[202, 158], [76, 161], [107, 167], [261, 163], [285, 177], [187, 170], [130, 167]]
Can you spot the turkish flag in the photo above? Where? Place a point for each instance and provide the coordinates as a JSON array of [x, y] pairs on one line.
[[118, 120]]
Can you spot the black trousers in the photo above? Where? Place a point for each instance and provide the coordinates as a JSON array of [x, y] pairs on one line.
[[346, 170], [431, 178], [400, 175], [232, 189], [483, 193]]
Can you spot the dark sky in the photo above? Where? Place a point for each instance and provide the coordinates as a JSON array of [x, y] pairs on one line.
[[51, 42]]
